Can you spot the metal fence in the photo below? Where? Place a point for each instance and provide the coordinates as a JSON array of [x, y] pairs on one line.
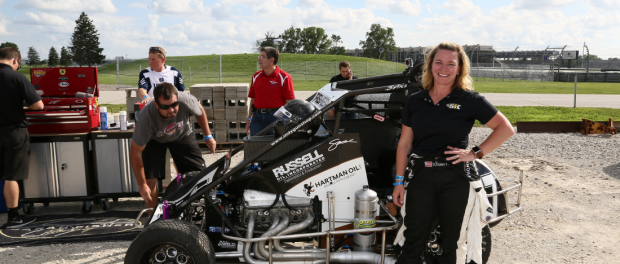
[[523, 72], [215, 69]]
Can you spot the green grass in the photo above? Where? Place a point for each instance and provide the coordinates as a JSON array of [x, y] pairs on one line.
[[521, 113], [320, 68], [317, 69], [550, 113], [517, 86]]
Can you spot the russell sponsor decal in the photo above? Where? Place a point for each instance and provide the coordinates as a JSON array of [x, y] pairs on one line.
[[299, 166]]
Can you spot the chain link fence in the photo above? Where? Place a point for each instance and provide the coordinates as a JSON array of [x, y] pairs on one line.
[[216, 69]]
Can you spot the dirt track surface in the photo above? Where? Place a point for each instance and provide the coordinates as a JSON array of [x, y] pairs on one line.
[[571, 205]]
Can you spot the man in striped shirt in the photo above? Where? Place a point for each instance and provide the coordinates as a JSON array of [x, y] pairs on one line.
[[157, 73]]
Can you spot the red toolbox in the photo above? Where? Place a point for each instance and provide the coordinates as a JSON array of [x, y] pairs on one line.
[[70, 96]]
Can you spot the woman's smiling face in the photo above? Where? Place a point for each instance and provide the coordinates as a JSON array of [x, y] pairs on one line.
[[445, 67]]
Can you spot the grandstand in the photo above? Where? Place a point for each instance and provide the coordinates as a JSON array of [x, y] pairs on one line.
[[478, 54]]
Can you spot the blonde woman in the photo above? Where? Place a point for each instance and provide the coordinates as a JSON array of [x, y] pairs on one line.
[[436, 124]]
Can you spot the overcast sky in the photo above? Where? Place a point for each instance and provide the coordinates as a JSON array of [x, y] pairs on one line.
[[194, 27]]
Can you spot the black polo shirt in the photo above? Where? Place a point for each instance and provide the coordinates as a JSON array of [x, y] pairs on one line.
[[448, 123], [14, 90]]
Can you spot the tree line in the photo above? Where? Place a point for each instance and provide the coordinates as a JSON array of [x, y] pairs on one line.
[[314, 40], [83, 47]]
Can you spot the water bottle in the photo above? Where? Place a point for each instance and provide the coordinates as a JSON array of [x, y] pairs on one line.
[[103, 117], [123, 120]]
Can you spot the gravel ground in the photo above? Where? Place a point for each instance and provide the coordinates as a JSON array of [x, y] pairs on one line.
[[571, 205]]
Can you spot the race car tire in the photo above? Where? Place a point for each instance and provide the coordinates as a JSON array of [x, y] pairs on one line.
[[174, 237], [430, 257]]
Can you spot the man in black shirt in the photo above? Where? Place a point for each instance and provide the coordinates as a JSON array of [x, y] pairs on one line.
[[345, 75], [17, 92]]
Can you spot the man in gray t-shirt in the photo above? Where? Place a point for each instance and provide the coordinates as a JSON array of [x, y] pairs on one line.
[[164, 124]]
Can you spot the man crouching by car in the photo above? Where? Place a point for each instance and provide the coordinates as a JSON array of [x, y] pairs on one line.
[[164, 124]]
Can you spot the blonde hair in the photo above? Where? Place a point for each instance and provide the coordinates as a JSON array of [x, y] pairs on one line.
[[159, 55], [463, 80]]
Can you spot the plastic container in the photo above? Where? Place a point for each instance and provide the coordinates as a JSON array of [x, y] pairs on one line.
[[123, 120], [103, 117]]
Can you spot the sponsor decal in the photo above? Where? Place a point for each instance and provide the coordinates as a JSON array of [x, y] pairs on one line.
[[142, 82], [53, 102], [81, 75], [340, 131], [180, 80], [299, 166], [337, 142], [428, 164], [274, 83], [379, 117], [63, 84], [79, 101], [160, 133], [454, 106], [227, 244], [63, 78], [39, 73], [63, 71], [488, 219], [338, 177], [217, 229], [308, 188], [364, 223], [396, 86]]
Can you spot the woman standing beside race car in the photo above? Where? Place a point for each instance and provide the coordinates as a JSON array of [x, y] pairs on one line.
[[441, 178]]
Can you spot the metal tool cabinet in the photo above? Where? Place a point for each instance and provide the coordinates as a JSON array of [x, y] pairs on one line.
[[60, 170], [113, 172]]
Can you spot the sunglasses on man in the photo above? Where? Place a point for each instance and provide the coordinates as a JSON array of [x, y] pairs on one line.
[[166, 107], [157, 50], [19, 62]]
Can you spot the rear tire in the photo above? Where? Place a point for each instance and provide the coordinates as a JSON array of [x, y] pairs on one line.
[[186, 239]]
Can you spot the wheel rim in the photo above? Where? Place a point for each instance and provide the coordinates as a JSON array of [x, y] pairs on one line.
[[166, 253]]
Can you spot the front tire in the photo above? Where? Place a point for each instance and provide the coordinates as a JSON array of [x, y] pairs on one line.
[[171, 241]]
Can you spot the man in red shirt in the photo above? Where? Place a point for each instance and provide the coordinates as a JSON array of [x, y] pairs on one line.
[[270, 89]]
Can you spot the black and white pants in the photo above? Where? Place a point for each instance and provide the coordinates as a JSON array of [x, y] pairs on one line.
[[439, 191]]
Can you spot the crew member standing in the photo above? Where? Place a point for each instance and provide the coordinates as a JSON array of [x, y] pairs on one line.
[[345, 75], [270, 89], [17, 92], [157, 72], [443, 183], [164, 124]]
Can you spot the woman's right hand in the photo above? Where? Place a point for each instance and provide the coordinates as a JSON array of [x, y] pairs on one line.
[[398, 196]]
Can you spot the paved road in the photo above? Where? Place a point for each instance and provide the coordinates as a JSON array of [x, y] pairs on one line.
[[505, 99]]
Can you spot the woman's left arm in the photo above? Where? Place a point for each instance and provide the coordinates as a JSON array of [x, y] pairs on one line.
[[502, 130]]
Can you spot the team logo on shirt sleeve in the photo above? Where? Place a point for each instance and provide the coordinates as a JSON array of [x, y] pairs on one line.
[[454, 106]]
